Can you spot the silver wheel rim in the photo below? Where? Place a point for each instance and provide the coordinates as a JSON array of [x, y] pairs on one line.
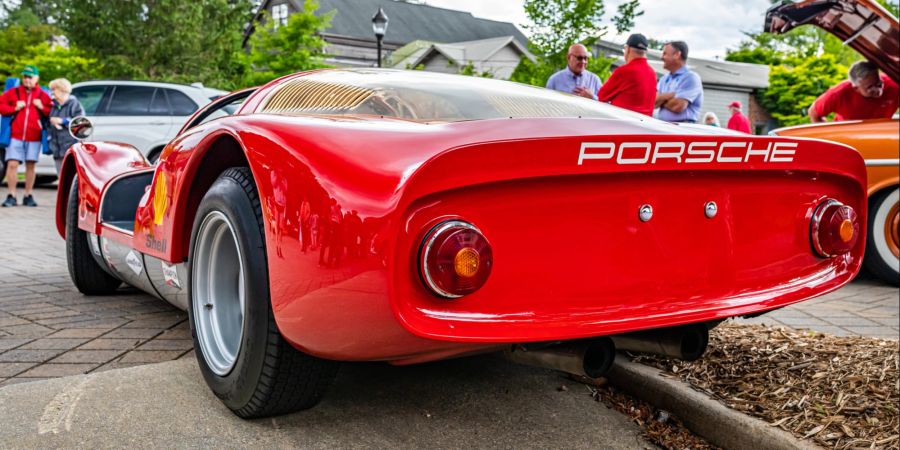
[[217, 289]]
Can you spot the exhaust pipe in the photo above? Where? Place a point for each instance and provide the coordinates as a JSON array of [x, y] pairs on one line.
[[686, 342], [588, 358]]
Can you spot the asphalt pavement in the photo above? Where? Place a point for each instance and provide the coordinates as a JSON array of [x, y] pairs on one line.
[[478, 402]]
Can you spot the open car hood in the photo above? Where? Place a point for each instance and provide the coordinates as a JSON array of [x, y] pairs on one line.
[[864, 25]]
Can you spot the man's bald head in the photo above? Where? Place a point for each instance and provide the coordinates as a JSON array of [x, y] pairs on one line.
[[577, 58]]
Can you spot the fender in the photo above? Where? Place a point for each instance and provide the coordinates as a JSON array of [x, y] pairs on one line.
[[95, 164], [182, 177]]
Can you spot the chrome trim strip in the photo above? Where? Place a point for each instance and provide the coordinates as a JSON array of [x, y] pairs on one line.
[[882, 162], [814, 224], [115, 228], [429, 242]]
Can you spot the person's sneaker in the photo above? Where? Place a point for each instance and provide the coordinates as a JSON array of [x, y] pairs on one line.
[[10, 201], [29, 201]]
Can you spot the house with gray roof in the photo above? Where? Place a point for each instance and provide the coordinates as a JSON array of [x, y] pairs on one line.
[[723, 83], [351, 42], [497, 57]]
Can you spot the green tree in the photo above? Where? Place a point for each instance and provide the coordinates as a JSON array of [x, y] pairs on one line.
[[793, 88], [557, 24], [892, 7], [171, 40], [278, 49]]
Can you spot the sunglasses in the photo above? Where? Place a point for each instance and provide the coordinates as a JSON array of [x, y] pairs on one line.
[[582, 58], [27, 77]]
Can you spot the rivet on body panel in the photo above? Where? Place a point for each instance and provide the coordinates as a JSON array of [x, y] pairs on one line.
[[711, 210], [645, 213]]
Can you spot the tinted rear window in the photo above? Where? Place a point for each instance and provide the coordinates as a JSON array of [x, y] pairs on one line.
[[130, 101], [181, 104], [90, 97]]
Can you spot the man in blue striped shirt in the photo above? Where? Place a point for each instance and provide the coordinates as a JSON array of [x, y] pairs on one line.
[[575, 78], [679, 94]]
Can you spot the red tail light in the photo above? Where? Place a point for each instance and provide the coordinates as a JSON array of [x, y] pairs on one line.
[[834, 229], [455, 259]]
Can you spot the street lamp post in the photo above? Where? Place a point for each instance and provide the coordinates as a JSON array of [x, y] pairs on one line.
[[379, 26]]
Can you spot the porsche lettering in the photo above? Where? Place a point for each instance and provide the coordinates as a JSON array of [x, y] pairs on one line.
[[680, 152]]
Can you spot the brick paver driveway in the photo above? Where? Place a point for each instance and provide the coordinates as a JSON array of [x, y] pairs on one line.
[[48, 329]]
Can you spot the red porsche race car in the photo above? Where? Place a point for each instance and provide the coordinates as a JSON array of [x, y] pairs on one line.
[[405, 216]]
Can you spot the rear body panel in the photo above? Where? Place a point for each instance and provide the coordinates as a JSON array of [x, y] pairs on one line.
[[557, 197]]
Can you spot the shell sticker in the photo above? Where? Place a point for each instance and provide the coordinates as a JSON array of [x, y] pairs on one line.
[[170, 273], [134, 262], [160, 198]]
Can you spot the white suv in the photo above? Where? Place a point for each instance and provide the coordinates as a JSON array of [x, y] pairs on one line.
[[144, 114]]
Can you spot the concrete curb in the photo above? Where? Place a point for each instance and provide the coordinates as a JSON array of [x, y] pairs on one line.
[[718, 424]]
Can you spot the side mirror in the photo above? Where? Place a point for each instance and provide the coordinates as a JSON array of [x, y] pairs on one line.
[[81, 128]]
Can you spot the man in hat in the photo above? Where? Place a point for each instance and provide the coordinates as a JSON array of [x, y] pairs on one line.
[[632, 85], [738, 121], [27, 104], [575, 78]]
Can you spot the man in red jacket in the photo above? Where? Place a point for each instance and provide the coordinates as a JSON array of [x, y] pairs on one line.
[[27, 104], [633, 85], [738, 121]]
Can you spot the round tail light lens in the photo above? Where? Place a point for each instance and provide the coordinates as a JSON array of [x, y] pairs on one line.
[[834, 229], [455, 259]]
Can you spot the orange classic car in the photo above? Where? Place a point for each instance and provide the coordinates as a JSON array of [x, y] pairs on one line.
[[872, 31]]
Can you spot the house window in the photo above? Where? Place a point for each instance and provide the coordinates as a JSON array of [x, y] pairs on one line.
[[280, 14]]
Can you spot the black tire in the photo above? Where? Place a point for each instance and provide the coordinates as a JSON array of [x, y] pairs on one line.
[[269, 376], [86, 273], [879, 260]]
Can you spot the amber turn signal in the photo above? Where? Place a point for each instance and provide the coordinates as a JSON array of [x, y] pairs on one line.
[[455, 259], [834, 229]]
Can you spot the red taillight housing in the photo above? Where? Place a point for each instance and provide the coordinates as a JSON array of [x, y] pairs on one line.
[[455, 259], [834, 229]]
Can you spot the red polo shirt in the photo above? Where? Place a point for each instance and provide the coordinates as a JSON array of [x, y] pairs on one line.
[[848, 104], [739, 122], [631, 86]]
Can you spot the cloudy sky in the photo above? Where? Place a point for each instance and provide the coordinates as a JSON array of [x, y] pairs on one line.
[[708, 26]]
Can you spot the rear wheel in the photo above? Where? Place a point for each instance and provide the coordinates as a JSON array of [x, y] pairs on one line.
[[86, 273], [241, 353], [882, 254]]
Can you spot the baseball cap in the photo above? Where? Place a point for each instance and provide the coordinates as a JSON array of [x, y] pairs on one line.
[[637, 41], [735, 104], [30, 71]]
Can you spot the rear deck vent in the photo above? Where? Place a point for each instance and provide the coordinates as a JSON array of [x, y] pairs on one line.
[[308, 96]]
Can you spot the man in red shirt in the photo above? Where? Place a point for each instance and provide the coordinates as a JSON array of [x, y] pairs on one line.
[[738, 121], [27, 104], [633, 85], [866, 95]]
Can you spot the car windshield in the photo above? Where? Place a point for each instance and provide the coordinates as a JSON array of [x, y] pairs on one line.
[[429, 97]]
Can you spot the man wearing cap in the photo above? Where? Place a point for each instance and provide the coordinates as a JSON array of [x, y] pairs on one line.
[[679, 93], [868, 94], [27, 104], [738, 121], [633, 85], [575, 78]]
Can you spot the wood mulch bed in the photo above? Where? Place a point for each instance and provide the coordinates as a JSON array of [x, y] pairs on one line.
[[840, 392]]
